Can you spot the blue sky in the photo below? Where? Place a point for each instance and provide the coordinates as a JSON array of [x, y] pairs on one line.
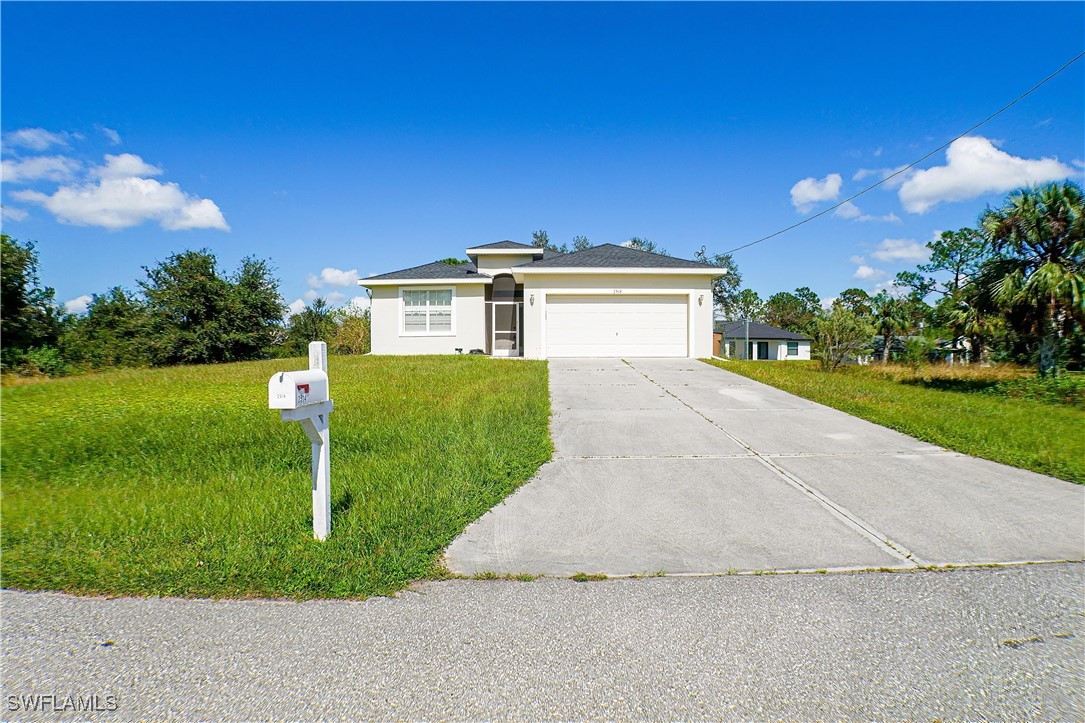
[[370, 137]]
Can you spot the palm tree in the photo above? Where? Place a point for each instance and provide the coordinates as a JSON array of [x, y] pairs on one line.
[[966, 314], [890, 318], [1038, 236]]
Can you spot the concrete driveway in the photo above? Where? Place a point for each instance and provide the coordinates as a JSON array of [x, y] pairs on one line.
[[675, 466]]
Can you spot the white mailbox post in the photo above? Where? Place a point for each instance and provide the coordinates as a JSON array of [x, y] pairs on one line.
[[303, 397]]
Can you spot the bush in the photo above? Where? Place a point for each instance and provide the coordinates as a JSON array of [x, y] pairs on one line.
[[45, 360], [840, 336], [353, 334], [918, 350]]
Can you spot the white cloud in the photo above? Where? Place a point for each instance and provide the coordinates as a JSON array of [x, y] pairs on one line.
[[864, 271], [890, 287], [850, 211], [294, 307], [122, 198], [882, 174], [334, 298], [125, 165], [35, 139], [113, 136], [809, 191], [38, 168], [334, 277], [10, 213], [975, 167], [900, 249], [359, 304], [78, 305], [827, 302]]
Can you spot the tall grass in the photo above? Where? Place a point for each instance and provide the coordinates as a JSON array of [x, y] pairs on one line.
[[964, 408], [180, 481]]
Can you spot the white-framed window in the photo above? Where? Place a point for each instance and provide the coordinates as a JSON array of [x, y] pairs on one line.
[[793, 348], [427, 311]]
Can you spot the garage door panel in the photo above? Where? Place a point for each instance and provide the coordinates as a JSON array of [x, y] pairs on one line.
[[644, 325]]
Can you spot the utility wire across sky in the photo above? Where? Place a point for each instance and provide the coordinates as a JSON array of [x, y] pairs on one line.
[[916, 162]]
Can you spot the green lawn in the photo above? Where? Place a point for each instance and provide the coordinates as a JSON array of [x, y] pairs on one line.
[[180, 481], [952, 408]]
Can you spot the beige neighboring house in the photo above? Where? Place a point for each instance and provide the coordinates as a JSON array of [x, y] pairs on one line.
[[516, 300]]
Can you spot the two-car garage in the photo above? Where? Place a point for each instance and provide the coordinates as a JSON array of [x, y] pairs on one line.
[[617, 325]]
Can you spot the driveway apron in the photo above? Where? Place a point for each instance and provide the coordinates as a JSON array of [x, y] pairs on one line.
[[675, 466]]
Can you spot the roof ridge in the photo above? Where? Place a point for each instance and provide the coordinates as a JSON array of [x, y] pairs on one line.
[[660, 260], [503, 241], [455, 270]]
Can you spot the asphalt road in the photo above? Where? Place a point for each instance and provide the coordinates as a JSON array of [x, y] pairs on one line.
[[1003, 643]]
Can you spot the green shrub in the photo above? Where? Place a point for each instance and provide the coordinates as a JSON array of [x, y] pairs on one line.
[[45, 360]]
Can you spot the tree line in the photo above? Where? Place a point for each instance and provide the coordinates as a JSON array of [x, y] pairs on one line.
[[186, 310], [1010, 290]]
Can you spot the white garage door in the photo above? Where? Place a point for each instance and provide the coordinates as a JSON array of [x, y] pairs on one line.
[[615, 325]]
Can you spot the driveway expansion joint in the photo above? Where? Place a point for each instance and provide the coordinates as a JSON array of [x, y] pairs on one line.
[[888, 453], [839, 511]]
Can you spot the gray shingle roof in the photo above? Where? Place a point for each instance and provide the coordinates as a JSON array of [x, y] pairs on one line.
[[436, 270], [737, 329], [613, 256], [513, 245]]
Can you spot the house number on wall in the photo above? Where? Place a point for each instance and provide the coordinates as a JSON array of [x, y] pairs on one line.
[[617, 291]]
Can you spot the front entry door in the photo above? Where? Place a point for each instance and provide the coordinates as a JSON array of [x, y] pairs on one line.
[[762, 350], [506, 328]]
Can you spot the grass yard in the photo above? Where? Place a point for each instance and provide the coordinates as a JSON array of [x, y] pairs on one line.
[[996, 413], [180, 481]]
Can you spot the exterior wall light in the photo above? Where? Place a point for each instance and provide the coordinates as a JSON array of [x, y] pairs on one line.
[[700, 300], [531, 300]]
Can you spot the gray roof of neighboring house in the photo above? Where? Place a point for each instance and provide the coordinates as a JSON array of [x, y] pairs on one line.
[[513, 245], [436, 270], [737, 329], [614, 256]]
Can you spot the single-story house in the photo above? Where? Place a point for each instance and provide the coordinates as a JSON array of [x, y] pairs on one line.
[[764, 341], [518, 300]]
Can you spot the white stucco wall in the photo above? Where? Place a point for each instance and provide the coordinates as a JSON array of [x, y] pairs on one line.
[[494, 264], [541, 286], [468, 320], [804, 352], [778, 350]]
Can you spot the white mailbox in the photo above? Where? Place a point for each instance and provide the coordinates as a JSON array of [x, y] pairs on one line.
[[302, 397], [290, 390]]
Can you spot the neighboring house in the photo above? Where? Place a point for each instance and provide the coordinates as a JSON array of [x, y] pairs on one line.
[[517, 300], [936, 349], [765, 342]]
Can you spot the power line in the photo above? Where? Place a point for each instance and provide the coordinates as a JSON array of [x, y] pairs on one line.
[[911, 165]]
